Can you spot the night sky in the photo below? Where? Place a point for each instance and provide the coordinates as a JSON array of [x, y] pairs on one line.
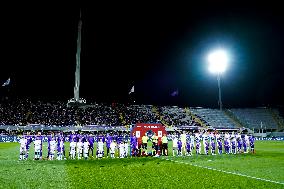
[[157, 49]]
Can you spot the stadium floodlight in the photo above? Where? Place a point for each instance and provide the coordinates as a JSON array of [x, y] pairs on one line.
[[218, 61]]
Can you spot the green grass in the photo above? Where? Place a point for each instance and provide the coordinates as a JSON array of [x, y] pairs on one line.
[[146, 172]]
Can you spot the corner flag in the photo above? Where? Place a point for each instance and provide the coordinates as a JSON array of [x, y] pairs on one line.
[[132, 90], [6, 82]]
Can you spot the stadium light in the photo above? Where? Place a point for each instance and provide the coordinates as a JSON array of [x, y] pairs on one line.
[[218, 61]]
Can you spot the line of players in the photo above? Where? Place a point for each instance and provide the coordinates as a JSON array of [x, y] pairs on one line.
[[231, 143], [81, 146]]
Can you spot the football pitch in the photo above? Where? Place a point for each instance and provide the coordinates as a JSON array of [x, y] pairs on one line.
[[265, 169]]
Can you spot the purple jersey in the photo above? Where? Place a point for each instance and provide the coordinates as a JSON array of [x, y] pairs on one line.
[[29, 141], [73, 138], [179, 145], [233, 143], [244, 143], [133, 142], [108, 141], [100, 137], [206, 145], [49, 138], [188, 147], [213, 145], [251, 141], [239, 143], [91, 141], [219, 144]]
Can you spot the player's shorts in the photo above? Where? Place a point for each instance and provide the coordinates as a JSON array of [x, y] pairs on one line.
[[144, 145], [22, 149], [165, 145]]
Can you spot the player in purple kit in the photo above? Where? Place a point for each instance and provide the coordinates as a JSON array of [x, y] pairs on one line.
[[73, 137], [108, 142], [239, 143], [213, 145], [219, 143], [226, 146], [206, 148], [60, 148], [197, 145], [179, 147], [251, 142], [134, 145], [188, 147], [233, 145], [29, 139], [91, 141], [244, 144], [49, 138]]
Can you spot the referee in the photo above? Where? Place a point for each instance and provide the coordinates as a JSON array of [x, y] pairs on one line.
[[165, 144]]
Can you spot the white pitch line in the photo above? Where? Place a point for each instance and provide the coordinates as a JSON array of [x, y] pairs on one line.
[[228, 172]]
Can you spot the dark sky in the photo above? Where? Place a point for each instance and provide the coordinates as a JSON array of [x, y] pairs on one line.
[[158, 49]]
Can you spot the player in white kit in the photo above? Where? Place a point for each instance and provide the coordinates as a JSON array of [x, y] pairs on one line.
[[175, 145], [121, 150], [86, 149], [37, 146], [100, 149], [125, 148], [52, 149], [112, 149], [23, 149], [72, 149], [79, 149]]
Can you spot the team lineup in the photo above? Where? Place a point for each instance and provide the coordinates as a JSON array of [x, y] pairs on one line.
[[81, 146]]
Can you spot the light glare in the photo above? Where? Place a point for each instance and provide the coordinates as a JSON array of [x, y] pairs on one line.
[[218, 61]]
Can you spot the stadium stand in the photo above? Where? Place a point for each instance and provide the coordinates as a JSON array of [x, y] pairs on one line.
[[214, 118], [54, 115], [256, 118]]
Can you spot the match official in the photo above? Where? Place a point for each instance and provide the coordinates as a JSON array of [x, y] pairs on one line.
[[165, 144]]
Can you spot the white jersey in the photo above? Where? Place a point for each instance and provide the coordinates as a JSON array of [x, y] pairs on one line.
[[37, 144], [112, 147], [121, 150], [226, 136], [72, 146], [175, 142], [183, 138], [86, 146], [79, 147], [126, 148], [23, 142], [191, 139], [218, 136], [204, 138], [101, 146], [238, 136], [52, 146]]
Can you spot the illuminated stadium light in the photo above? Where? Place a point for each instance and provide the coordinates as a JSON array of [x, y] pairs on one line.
[[218, 62]]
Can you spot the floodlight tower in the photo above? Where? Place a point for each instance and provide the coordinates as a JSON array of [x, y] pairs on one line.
[[218, 61], [77, 101], [77, 72]]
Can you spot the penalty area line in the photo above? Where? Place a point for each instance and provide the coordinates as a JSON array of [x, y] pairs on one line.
[[227, 172]]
